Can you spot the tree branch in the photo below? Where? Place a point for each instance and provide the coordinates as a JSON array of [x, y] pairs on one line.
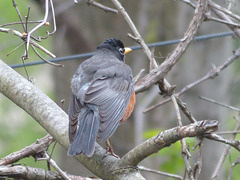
[[142, 168], [234, 144], [166, 138], [39, 146], [158, 73], [100, 6], [210, 75], [29, 173], [224, 155], [26, 172], [54, 165], [219, 103], [138, 37]]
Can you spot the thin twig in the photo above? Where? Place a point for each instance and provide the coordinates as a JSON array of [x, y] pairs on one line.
[[5, 30], [15, 48], [232, 166], [142, 168], [54, 19], [224, 154], [26, 17], [25, 56], [219, 8], [219, 103], [213, 136], [224, 10], [137, 77], [46, 61], [140, 40], [46, 23], [189, 3], [19, 15], [228, 132], [222, 21], [17, 33], [225, 15], [210, 75], [98, 5], [42, 49], [55, 166], [14, 23], [184, 150], [185, 110], [153, 64], [25, 69], [198, 165], [176, 107]]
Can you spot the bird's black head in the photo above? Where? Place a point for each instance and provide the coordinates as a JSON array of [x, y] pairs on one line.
[[115, 46]]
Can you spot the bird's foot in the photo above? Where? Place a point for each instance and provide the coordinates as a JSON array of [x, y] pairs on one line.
[[109, 150]]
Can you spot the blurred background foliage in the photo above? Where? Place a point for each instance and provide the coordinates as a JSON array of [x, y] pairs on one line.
[[80, 28]]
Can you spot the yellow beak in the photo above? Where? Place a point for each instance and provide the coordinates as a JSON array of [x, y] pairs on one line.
[[127, 50]]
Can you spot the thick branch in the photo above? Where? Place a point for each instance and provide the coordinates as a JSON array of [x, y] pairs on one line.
[[166, 138], [22, 172], [27, 172], [158, 73]]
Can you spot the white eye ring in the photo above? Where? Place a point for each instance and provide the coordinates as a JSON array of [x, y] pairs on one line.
[[121, 50]]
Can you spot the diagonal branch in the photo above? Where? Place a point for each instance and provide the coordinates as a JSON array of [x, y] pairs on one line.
[[159, 73], [39, 146], [210, 75], [100, 6], [224, 155], [219, 103], [166, 138], [234, 144], [142, 168], [19, 14], [135, 31]]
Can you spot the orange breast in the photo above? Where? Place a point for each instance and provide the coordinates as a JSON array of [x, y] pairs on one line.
[[130, 108]]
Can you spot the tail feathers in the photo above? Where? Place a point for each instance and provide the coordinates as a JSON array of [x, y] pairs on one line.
[[85, 138]]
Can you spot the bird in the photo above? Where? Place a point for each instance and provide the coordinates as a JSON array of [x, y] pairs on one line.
[[102, 97]]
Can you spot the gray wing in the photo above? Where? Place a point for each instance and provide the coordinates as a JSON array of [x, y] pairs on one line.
[[111, 92], [73, 112]]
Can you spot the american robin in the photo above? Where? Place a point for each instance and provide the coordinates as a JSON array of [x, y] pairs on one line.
[[102, 97]]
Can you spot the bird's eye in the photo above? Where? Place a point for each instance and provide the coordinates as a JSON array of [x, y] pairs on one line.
[[121, 50]]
